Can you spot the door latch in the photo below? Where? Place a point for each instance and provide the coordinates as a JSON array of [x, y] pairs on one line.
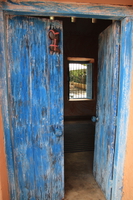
[[94, 119]]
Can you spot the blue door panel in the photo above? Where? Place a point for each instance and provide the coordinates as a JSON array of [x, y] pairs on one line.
[[56, 121], [35, 92], [106, 110]]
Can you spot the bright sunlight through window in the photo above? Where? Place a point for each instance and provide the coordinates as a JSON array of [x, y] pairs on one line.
[[80, 80]]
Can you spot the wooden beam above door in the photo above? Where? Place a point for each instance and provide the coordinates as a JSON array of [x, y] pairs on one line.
[[86, 10]]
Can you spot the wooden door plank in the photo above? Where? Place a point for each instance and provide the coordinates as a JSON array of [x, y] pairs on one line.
[[36, 105], [55, 63], [89, 10], [19, 93], [39, 88], [4, 108], [125, 79], [108, 62]]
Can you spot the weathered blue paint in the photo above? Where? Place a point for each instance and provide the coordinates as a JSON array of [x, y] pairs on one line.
[[68, 9], [56, 122], [5, 110], [126, 71], [88, 11], [35, 93], [107, 99]]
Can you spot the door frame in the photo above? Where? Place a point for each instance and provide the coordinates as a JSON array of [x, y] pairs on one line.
[[122, 13]]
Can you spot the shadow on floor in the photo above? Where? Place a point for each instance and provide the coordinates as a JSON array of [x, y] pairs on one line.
[[79, 181], [79, 136]]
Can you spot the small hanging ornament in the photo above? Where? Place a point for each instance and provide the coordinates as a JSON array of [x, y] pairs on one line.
[[54, 37]]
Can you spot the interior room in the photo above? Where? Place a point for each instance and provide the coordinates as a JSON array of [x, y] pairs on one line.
[[80, 38]]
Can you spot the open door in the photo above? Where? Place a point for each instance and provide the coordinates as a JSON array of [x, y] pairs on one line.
[[106, 110], [35, 99]]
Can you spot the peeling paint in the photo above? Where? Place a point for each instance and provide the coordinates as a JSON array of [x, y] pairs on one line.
[[89, 10], [125, 78], [36, 103], [107, 99]]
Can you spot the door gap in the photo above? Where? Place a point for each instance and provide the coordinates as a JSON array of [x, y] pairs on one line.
[[80, 40]]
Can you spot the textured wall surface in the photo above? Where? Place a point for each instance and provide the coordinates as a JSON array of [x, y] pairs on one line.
[[128, 171], [4, 194], [115, 2]]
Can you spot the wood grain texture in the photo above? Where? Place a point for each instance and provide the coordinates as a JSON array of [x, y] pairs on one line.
[[35, 98], [117, 2], [5, 109], [89, 10], [106, 110], [126, 70], [57, 120]]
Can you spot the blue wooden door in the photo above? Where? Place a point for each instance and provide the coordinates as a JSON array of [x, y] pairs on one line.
[[106, 110], [35, 94]]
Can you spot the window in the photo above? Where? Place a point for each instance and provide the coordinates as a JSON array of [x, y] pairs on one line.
[[80, 79]]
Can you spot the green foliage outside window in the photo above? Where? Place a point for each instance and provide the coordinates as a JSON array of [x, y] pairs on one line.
[[78, 76]]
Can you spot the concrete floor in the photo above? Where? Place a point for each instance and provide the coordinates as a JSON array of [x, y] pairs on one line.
[[79, 181]]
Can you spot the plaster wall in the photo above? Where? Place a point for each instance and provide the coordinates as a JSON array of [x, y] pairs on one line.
[[115, 2], [128, 170], [4, 193]]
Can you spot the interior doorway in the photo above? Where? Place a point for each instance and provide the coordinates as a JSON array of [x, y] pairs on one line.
[[80, 41], [126, 33]]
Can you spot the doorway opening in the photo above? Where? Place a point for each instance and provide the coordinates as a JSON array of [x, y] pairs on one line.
[[80, 41], [112, 13]]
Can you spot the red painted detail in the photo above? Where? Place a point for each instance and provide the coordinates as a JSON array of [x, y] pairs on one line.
[[54, 36]]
